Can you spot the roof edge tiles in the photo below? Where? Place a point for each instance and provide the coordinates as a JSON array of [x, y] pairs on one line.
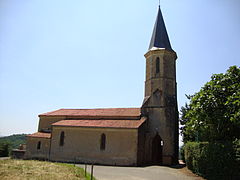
[[40, 135], [100, 112], [123, 124]]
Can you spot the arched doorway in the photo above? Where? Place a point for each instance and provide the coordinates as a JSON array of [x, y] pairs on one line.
[[157, 150]]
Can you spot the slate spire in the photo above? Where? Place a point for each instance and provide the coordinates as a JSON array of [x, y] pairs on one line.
[[160, 37]]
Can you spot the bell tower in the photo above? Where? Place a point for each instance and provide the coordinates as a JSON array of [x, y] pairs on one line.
[[160, 102]]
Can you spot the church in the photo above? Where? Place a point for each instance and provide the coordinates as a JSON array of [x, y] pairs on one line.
[[146, 135]]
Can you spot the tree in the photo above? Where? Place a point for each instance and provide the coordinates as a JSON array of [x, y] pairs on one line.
[[4, 149], [213, 113]]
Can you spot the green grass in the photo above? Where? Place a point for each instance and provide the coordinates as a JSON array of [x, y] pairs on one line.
[[29, 169]]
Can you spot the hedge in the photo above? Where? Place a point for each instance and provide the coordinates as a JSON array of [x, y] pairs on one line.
[[218, 160]]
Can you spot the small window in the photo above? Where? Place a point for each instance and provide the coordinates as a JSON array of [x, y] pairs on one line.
[[39, 145], [103, 142], [157, 65], [61, 143]]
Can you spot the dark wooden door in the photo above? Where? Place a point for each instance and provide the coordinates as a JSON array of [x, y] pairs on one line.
[[157, 150]]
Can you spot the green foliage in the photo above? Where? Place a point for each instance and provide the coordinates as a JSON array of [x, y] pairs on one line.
[[8, 143], [4, 149], [211, 125], [182, 155], [214, 112], [15, 140], [237, 151], [213, 160]]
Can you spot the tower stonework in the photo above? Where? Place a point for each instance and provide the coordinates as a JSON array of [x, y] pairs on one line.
[[160, 102]]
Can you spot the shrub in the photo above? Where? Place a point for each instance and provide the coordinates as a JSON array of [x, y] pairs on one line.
[[4, 149], [216, 160]]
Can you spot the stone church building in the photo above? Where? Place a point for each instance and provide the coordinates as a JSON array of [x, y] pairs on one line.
[[119, 136]]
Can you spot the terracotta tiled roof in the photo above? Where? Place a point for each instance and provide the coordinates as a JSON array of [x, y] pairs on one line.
[[108, 112], [40, 135], [129, 124]]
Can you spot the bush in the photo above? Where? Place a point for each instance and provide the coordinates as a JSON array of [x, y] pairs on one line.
[[4, 149], [213, 160]]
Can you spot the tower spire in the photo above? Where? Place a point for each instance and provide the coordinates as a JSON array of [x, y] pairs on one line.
[[159, 36]]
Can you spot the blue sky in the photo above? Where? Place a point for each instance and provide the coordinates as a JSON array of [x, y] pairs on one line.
[[89, 54]]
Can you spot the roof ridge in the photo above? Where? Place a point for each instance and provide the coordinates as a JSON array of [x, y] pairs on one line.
[[102, 123], [95, 108], [122, 112]]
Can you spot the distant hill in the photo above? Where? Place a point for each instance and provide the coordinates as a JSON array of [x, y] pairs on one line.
[[14, 140]]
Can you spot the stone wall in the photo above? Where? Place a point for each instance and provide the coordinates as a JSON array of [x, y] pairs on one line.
[[83, 145], [45, 122], [32, 151], [160, 105]]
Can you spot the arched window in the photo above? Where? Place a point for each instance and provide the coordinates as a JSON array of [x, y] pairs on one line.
[[157, 65], [103, 142], [61, 142], [39, 145]]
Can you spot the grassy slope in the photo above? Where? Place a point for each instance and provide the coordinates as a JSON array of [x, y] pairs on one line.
[[26, 169]]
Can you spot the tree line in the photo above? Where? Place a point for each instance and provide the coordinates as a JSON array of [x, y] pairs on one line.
[[8, 143]]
